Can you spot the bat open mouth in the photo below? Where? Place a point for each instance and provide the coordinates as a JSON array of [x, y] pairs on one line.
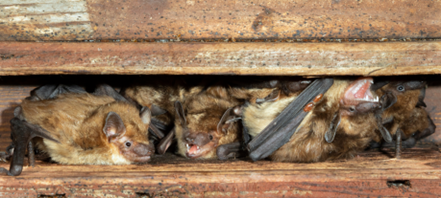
[[194, 151], [360, 91]]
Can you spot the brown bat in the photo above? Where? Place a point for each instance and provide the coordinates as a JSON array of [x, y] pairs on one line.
[[206, 121], [79, 128], [406, 116], [160, 94], [257, 91], [338, 125], [419, 125]]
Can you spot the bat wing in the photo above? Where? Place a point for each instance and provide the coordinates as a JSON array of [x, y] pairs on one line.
[[280, 130], [50, 91], [165, 142], [107, 90], [21, 133]]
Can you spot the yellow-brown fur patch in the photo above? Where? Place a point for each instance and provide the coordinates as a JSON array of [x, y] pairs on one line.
[[77, 121]]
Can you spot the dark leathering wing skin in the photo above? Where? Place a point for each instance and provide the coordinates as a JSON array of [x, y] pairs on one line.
[[22, 132], [280, 130]]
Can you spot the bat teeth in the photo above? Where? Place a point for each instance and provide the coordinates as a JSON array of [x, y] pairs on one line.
[[188, 147], [197, 147]]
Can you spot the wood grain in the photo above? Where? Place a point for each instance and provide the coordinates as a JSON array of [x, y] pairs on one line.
[[306, 59], [190, 19], [366, 175]]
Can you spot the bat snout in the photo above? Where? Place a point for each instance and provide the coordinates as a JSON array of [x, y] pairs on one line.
[[144, 150], [199, 139], [198, 144], [367, 107]]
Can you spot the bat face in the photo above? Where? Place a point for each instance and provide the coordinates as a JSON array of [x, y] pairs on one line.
[[408, 94], [201, 140], [200, 144], [206, 123], [126, 137], [358, 98]]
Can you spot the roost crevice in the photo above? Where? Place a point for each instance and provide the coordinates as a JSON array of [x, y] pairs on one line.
[[175, 31]]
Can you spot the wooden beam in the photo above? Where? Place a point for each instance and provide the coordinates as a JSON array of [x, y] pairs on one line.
[[189, 19], [305, 59], [370, 173]]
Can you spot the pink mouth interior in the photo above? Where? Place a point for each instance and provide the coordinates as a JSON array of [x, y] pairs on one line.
[[193, 150], [359, 90]]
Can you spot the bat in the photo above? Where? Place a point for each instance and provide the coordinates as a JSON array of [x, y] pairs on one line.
[[419, 125], [159, 94], [257, 91], [206, 121], [79, 128], [346, 104], [405, 115]]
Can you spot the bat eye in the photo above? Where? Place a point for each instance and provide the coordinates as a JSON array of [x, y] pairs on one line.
[[128, 144], [210, 136], [400, 88], [351, 109]]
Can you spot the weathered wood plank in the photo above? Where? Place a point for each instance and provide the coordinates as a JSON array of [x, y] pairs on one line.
[[374, 59], [189, 19], [366, 175]]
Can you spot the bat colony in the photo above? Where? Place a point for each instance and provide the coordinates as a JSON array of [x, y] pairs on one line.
[[278, 118]]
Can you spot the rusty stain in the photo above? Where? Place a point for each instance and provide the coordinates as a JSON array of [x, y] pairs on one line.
[[264, 19], [152, 19]]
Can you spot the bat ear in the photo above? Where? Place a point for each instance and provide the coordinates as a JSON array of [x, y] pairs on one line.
[[230, 116], [180, 112], [146, 115], [387, 100], [273, 96], [412, 85], [421, 97], [295, 86], [378, 84], [114, 126], [157, 110], [332, 130]]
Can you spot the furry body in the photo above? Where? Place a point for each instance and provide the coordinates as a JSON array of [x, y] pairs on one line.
[[308, 143], [162, 95], [77, 121]]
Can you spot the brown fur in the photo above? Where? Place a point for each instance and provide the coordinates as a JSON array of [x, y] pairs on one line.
[[308, 143], [77, 121], [162, 92], [250, 94], [402, 111], [203, 113], [417, 122]]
